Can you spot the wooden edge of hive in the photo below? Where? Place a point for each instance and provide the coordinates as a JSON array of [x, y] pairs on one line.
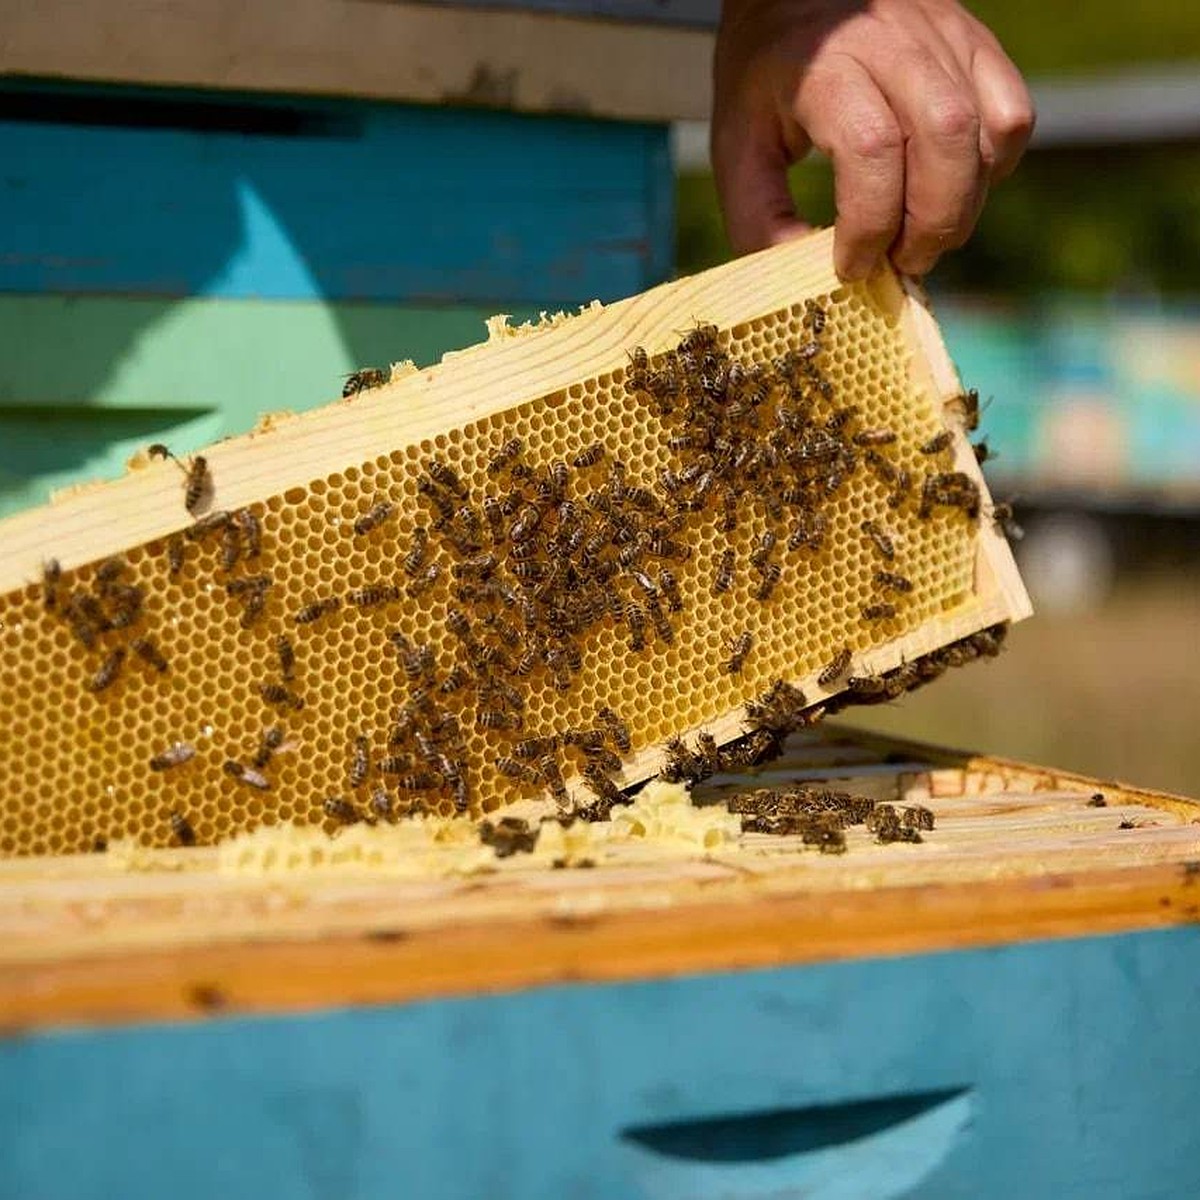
[[730, 928]]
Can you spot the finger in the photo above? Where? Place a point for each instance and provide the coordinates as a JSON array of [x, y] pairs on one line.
[[1005, 110], [751, 178], [847, 117], [945, 176]]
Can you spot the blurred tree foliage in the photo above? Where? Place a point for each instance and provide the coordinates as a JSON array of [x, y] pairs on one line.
[[1082, 220], [1094, 219]]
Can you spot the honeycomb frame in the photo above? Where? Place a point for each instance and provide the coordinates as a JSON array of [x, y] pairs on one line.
[[73, 764]]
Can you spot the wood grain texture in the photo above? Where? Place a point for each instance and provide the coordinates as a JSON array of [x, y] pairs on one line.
[[1018, 854], [532, 62]]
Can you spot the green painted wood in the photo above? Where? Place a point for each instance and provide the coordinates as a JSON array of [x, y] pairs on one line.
[[86, 381]]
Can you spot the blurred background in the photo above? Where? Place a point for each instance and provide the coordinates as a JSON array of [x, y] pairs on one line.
[[176, 258], [1075, 310]]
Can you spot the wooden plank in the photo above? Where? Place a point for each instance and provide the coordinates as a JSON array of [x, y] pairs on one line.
[[531, 62], [79, 941], [356, 203]]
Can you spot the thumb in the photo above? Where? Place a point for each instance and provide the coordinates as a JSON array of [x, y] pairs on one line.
[[751, 176]]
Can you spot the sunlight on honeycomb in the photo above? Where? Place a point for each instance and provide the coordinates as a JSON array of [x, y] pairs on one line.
[[74, 765]]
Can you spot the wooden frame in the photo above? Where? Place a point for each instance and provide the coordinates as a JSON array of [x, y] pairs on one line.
[[288, 452], [1018, 854]]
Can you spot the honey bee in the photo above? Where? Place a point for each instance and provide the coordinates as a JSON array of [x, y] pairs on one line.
[[231, 547], [360, 761], [968, 401], [535, 747], [198, 482], [108, 671], [287, 657], [917, 816], [952, 489], [880, 538], [618, 731], [210, 523], [145, 649], [698, 340], [175, 755], [644, 582], [662, 627], [374, 517], [874, 437], [494, 718], [551, 776], [723, 580], [363, 380], [373, 595], [317, 609], [108, 572], [445, 477], [271, 740], [836, 667], [246, 775], [381, 804], [635, 621], [600, 758], [903, 485], [670, 590], [766, 585], [181, 827], [762, 550], [1005, 523], [815, 316], [505, 456], [51, 576], [414, 559], [175, 555], [395, 764], [275, 693], [251, 528], [879, 612], [885, 470], [458, 678], [424, 581], [525, 524], [589, 456], [938, 443], [890, 581], [340, 810], [681, 764], [510, 768], [739, 651], [639, 362], [728, 512], [417, 781]]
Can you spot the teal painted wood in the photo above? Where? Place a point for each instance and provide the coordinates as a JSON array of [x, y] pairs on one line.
[[1063, 1069], [114, 192], [86, 381]]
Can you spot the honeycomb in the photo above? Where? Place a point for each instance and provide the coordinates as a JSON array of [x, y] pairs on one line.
[[375, 668]]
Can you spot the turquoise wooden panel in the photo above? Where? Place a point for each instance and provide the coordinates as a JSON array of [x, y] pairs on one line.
[[1063, 1069], [85, 381], [123, 192]]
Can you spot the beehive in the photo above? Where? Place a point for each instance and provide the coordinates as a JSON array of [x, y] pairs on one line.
[[75, 762]]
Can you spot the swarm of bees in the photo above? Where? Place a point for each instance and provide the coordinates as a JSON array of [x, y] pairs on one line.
[[820, 816], [557, 559]]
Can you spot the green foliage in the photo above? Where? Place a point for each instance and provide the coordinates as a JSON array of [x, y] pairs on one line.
[[1052, 37], [1094, 220]]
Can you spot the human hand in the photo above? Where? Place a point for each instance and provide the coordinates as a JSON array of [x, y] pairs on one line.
[[914, 101]]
